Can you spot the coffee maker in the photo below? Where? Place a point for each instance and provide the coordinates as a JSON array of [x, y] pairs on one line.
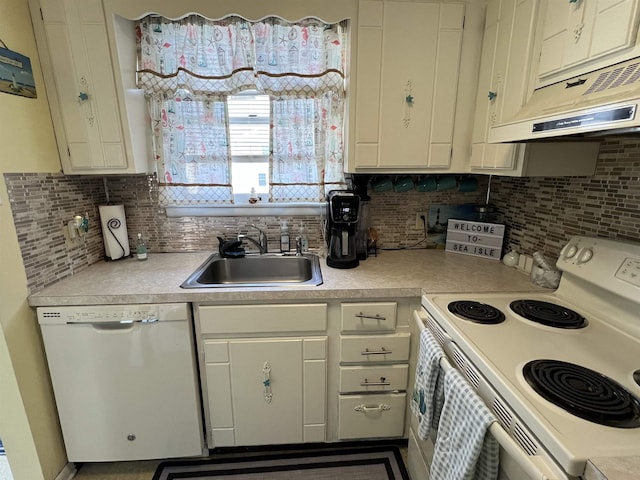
[[342, 220]]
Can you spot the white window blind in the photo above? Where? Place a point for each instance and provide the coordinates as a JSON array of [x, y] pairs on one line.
[[249, 119]]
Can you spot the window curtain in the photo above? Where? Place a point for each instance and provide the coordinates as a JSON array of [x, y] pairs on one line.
[[188, 67]]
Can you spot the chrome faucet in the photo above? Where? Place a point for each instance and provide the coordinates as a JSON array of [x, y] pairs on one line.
[[298, 246], [261, 243]]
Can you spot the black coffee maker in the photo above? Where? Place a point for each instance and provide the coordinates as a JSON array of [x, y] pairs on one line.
[[342, 220]]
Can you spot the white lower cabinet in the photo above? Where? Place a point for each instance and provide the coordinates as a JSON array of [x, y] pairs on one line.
[[265, 383], [373, 373], [372, 379], [266, 391], [266, 370], [370, 416], [374, 349]]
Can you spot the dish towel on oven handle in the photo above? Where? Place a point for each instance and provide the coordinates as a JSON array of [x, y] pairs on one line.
[[428, 390], [464, 449]]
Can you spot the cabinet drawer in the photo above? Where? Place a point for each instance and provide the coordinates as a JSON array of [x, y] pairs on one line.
[[374, 348], [262, 318], [373, 379], [377, 316], [371, 416]]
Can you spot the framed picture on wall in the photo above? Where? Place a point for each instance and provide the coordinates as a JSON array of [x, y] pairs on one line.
[[16, 75], [439, 215]]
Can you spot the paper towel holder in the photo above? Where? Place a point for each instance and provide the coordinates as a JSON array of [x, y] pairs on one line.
[[114, 231]]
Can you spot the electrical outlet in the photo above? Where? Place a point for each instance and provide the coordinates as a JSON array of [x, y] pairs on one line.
[[420, 223]]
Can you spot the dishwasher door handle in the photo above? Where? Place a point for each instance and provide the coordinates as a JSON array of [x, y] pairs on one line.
[[119, 322]]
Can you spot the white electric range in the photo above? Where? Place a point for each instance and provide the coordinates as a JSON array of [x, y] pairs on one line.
[[564, 365]]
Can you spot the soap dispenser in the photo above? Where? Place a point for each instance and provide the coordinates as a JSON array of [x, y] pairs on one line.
[[285, 241], [304, 243], [141, 248]]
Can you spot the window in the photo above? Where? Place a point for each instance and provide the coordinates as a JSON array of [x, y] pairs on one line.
[[249, 139], [239, 105]]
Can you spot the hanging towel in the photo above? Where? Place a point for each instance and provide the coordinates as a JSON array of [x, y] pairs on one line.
[[464, 448], [428, 390]]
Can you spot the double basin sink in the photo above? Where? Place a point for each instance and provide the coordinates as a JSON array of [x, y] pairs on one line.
[[257, 270]]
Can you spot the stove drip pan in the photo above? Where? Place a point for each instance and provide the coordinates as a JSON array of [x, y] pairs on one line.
[[476, 312], [584, 393], [549, 314]]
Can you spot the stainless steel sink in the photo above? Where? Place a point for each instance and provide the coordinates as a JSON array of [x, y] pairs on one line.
[[253, 270]]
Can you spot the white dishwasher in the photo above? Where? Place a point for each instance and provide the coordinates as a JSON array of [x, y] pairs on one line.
[[124, 379]]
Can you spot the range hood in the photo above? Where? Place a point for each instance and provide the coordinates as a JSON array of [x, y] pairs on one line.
[[597, 104]]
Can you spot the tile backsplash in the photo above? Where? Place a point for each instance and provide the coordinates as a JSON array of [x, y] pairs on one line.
[[543, 213], [540, 213], [41, 205]]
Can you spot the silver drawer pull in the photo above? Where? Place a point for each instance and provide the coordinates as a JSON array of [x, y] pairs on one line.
[[377, 316], [382, 351], [381, 383], [368, 409]]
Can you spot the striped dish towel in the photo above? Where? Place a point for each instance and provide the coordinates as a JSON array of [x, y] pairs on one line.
[[464, 449], [428, 393]]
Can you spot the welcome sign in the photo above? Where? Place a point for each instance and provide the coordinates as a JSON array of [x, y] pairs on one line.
[[475, 238], [16, 75]]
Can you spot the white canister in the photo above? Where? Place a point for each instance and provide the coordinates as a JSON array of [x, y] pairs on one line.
[[511, 259]]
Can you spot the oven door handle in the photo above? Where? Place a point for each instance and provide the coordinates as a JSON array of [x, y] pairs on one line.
[[534, 465]]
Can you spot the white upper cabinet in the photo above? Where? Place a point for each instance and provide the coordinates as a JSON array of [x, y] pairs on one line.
[[502, 84], [408, 65], [507, 51], [576, 34], [90, 117]]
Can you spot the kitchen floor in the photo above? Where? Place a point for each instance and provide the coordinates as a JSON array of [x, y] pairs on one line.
[[145, 470], [5, 471]]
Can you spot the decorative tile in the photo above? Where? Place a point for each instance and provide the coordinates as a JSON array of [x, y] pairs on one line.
[[539, 213]]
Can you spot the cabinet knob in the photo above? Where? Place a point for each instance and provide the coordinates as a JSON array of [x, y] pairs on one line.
[[131, 437], [83, 96], [492, 95]]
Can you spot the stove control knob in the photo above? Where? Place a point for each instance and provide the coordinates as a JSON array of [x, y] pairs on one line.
[[570, 251], [585, 256]]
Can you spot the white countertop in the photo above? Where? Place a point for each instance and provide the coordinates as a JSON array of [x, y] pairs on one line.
[[614, 468], [406, 273]]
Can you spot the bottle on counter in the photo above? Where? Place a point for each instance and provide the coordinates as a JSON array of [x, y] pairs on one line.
[[285, 241], [302, 237], [141, 248]]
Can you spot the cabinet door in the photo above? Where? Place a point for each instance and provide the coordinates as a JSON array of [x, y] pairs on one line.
[[368, 65], [266, 391], [83, 93], [574, 33], [408, 63], [502, 86], [261, 419]]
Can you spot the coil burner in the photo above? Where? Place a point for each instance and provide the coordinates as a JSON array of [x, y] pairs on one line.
[[549, 314], [476, 312], [584, 393]]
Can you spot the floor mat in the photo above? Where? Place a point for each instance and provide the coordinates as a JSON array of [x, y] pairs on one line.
[[371, 463]]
